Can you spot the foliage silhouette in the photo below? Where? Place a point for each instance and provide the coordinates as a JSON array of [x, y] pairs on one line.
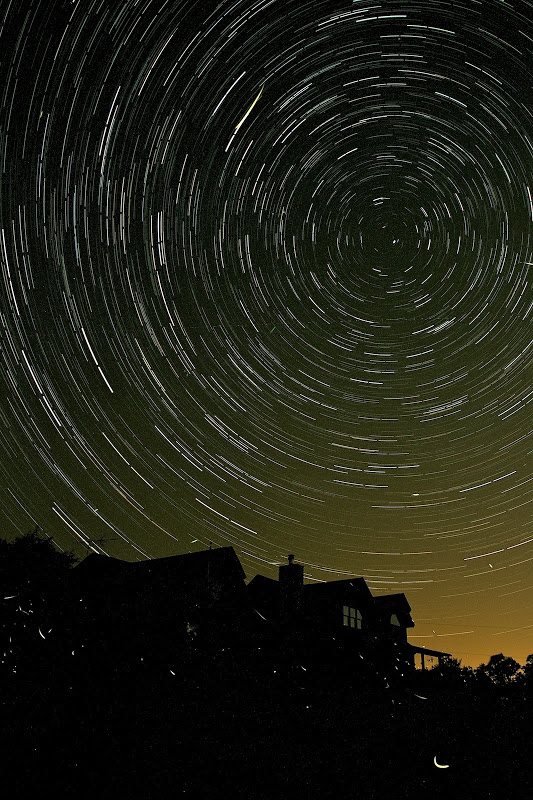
[[30, 561], [500, 670], [528, 670], [30, 570]]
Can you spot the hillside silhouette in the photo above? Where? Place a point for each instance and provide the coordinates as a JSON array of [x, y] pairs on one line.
[[164, 679]]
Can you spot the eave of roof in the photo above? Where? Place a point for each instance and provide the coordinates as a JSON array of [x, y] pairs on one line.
[[394, 602], [426, 651]]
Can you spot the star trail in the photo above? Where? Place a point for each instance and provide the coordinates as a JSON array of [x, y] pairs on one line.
[[266, 282]]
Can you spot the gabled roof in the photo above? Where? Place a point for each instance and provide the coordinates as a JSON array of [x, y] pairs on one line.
[[261, 581], [97, 570], [264, 593], [221, 558], [97, 562], [392, 602]]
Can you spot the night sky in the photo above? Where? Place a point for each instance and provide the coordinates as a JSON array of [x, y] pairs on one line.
[[266, 283]]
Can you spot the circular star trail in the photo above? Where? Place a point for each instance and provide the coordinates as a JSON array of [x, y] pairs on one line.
[[266, 282]]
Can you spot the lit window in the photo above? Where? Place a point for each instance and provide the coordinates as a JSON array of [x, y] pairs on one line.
[[351, 617], [394, 620]]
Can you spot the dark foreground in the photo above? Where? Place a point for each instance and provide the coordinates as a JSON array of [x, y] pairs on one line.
[[206, 735]]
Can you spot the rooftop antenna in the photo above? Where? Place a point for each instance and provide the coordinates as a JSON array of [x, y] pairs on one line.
[[99, 541]]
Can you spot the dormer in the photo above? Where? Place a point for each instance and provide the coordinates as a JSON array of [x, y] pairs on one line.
[[393, 612]]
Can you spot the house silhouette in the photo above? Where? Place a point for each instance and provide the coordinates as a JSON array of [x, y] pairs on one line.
[[340, 619], [198, 603]]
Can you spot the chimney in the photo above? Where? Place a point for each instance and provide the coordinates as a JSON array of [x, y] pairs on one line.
[[291, 583]]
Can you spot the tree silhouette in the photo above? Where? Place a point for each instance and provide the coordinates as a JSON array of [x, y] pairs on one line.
[[501, 670], [527, 671], [30, 568], [450, 666], [31, 561], [450, 674]]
